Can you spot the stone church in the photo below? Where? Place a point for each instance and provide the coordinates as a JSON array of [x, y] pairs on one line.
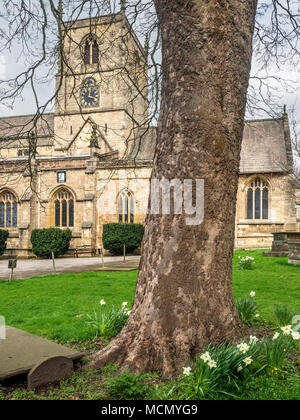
[[90, 161]]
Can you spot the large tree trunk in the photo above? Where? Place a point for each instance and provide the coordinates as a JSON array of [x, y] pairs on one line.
[[184, 298]]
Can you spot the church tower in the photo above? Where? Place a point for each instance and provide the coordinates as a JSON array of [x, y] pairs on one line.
[[102, 81]]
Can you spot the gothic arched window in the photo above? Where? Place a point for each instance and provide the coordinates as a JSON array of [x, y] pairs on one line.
[[91, 51], [258, 199], [63, 208], [126, 207], [8, 210]]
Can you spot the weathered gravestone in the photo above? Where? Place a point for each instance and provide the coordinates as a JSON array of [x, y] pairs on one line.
[[280, 246], [294, 253], [43, 360], [50, 370]]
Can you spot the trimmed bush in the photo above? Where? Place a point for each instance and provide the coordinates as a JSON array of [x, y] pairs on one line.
[[3, 238], [46, 241], [115, 235]]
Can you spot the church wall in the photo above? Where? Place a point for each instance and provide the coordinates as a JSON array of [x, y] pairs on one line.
[[258, 233], [110, 184]]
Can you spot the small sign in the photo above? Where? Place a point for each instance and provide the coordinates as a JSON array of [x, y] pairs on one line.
[[12, 264], [2, 328], [61, 176]]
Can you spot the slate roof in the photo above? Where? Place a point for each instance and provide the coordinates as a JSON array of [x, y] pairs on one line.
[[15, 129], [144, 145], [266, 146]]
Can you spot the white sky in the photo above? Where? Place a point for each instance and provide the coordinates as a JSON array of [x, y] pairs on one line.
[[11, 64]]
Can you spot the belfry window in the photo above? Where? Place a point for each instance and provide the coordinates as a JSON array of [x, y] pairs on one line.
[[258, 200], [63, 208], [126, 207], [8, 210], [91, 51]]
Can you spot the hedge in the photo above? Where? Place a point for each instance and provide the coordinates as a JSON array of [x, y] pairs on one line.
[[46, 241], [116, 235], [3, 238]]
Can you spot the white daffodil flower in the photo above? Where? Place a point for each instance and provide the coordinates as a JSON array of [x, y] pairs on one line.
[[252, 294], [295, 335], [275, 336], [248, 361], [253, 339], [187, 371], [102, 302], [243, 347], [205, 357], [286, 330], [212, 364]]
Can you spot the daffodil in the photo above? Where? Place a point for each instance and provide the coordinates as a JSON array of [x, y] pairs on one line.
[[253, 339], [248, 361], [187, 371], [243, 347], [102, 302], [252, 294], [295, 335], [275, 336], [239, 369], [124, 304], [287, 329], [205, 357], [212, 364]]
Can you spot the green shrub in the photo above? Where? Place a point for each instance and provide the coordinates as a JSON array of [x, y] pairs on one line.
[[115, 235], [247, 309], [127, 386], [46, 241], [3, 238]]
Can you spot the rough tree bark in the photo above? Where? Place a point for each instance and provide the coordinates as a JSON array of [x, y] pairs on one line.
[[184, 296]]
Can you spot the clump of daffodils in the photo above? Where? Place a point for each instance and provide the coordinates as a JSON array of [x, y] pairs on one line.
[[207, 359], [125, 309], [246, 263]]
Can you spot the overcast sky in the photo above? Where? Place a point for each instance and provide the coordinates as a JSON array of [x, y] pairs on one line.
[[10, 65]]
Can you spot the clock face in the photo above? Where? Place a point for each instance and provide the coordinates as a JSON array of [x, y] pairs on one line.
[[89, 93]]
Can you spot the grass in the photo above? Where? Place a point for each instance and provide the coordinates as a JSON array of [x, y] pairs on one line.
[[56, 307], [274, 281], [49, 306]]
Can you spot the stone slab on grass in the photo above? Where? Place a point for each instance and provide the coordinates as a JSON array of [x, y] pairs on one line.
[[20, 352]]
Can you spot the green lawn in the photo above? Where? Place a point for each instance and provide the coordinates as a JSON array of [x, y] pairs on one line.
[[274, 280], [49, 306]]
